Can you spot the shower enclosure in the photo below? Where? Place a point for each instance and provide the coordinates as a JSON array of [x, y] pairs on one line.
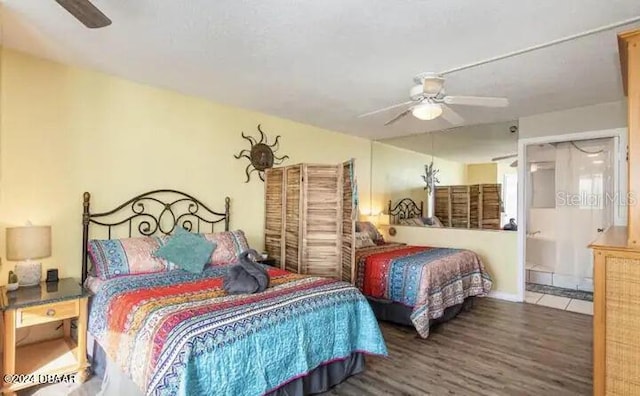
[[571, 198]]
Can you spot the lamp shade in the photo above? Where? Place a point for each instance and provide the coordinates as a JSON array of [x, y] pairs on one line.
[[383, 219], [373, 219], [28, 243]]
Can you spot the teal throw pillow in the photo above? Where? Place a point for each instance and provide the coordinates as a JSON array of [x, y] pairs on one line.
[[191, 252]]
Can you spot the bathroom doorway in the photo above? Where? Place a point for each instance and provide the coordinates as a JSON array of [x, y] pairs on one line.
[[569, 198]]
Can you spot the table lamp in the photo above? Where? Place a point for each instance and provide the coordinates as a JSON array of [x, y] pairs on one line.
[[25, 244], [383, 219]]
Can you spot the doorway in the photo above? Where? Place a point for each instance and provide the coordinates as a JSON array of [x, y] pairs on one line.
[[568, 197]]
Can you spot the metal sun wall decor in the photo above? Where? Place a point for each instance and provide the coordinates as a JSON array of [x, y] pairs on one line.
[[261, 155], [430, 177]]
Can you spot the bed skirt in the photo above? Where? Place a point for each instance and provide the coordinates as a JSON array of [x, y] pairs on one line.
[[389, 311], [318, 380]]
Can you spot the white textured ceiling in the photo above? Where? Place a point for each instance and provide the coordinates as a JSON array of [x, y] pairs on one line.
[[323, 62], [471, 144]]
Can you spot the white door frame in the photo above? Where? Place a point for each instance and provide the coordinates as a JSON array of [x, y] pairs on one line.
[[619, 176]]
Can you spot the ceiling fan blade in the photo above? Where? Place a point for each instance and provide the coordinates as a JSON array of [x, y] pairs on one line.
[[85, 12], [451, 116], [399, 116], [504, 157], [385, 109], [486, 101]]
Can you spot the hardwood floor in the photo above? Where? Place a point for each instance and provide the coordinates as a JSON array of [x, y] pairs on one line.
[[497, 348]]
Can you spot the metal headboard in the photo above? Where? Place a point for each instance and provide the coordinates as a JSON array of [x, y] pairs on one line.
[[405, 209], [154, 212]]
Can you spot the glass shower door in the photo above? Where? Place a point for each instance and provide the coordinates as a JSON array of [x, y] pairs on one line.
[[584, 207]]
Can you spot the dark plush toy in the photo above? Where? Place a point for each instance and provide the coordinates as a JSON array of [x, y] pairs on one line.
[[247, 276], [511, 226]]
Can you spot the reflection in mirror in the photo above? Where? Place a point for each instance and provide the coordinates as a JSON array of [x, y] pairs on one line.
[[463, 177]]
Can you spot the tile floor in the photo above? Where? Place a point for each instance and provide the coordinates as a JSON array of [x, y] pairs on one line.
[[564, 303], [546, 276]]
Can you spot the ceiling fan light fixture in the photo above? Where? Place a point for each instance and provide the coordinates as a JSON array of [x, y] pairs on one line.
[[427, 111]]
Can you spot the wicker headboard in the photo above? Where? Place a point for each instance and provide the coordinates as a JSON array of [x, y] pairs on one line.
[[152, 213], [405, 209]]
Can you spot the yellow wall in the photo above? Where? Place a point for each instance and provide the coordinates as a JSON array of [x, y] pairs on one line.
[[396, 174], [66, 130], [482, 173], [498, 249]]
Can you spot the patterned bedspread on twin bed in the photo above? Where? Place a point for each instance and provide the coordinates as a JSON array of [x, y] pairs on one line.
[[180, 333], [425, 278]]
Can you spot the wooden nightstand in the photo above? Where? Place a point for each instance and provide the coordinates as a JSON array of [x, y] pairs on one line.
[[45, 361]]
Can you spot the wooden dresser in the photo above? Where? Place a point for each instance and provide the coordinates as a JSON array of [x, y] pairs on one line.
[[616, 315], [616, 278]]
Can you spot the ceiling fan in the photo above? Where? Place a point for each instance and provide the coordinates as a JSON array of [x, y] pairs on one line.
[[429, 101], [85, 12]]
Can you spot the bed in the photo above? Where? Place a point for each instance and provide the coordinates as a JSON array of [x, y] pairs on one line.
[[174, 332], [417, 285], [407, 212]]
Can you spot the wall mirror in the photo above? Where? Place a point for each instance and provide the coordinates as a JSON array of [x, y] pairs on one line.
[[473, 175]]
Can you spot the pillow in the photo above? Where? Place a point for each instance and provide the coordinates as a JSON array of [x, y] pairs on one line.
[[363, 240], [414, 221], [188, 251], [432, 222], [369, 228], [229, 246], [127, 256]]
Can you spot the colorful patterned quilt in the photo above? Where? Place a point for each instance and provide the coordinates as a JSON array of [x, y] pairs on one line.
[[427, 279], [177, 333]]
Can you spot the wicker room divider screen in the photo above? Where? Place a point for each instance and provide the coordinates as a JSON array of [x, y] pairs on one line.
[[310, 218]]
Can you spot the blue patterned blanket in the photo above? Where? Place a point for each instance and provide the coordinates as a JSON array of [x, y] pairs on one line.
[[177, 333]]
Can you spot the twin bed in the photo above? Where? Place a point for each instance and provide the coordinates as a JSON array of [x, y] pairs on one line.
[[157, 330], [419, 286]]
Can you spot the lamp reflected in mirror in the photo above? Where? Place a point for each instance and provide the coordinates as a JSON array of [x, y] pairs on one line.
[[383, 219]]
